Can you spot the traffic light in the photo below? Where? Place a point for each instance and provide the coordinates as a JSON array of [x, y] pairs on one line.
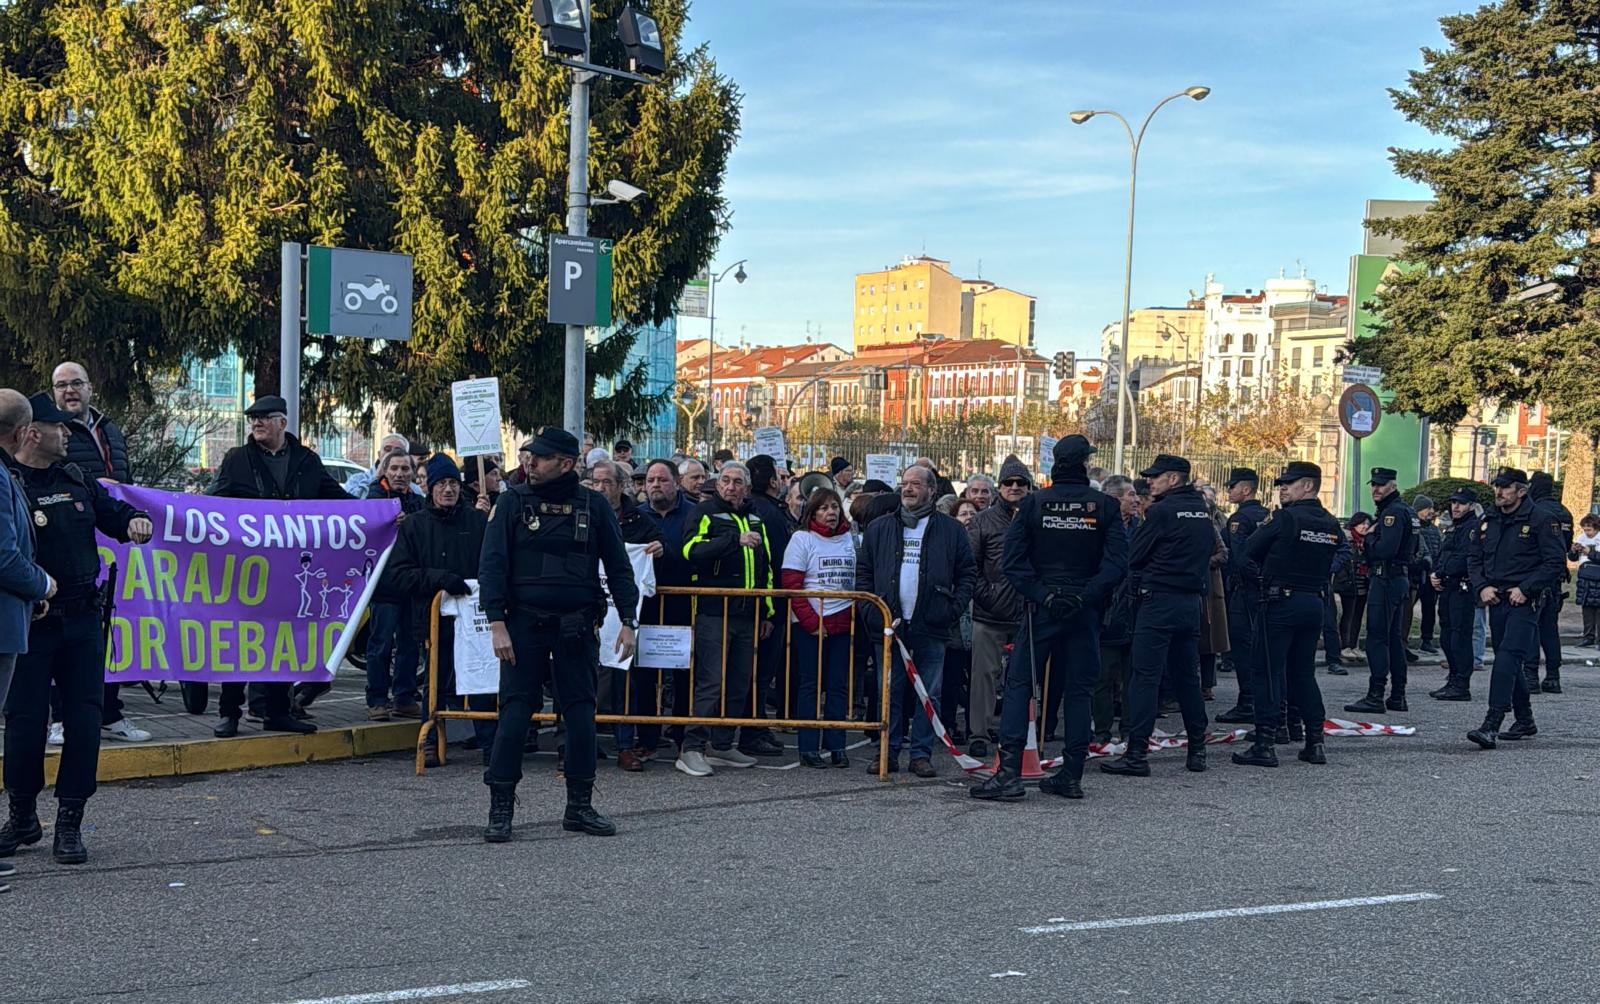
[[1065, 365]]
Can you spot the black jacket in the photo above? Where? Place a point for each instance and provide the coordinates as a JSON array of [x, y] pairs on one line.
[[779, 527], [544, 548], [1067, 538], [1517, 549], [1451, 564], [1242, 574], [436, 551], [85, 450], [67, 506], [1393, 544], [1294, 548], [243, 474], [994, 599], [1172, 549], [946, 573], [711, 546], [1549, 508], [636, 526]]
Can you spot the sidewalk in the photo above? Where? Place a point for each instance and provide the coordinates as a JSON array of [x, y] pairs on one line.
[[182, 743]]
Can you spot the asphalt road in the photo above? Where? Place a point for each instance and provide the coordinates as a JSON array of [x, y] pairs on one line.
[[356, 881]]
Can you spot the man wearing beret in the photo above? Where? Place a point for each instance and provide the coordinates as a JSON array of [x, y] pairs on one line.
[[1294, 550], [541, 593], [1517, 557], [1391, 549], [1170, 558]]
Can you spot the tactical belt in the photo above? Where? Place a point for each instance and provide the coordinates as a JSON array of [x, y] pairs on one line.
[[1284, 592], [1389, 569]]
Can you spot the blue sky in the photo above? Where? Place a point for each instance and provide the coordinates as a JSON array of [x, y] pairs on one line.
[[873, 129]]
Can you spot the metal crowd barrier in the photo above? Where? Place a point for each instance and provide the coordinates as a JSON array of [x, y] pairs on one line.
[[433, 728]]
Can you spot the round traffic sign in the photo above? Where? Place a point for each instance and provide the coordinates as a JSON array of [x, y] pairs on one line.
[[1360, 411]]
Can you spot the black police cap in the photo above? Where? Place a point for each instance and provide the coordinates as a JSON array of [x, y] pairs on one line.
[[1073, 449], [1165, 462], [553, 441], [1466, 495], [45, 410], [1239, 474], [1509, 476], [1383, 476], [1296, 470]]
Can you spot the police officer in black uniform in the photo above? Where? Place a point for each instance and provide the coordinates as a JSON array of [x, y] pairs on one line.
[[1391, 550], [1519, 556], [1065, 552], [1170, 558], [1456, 601], [541, 593], [1295, 549], [64, 646], [1244, 592], [1541, 489]]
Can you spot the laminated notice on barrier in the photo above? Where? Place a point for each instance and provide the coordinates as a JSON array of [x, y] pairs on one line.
[[663, 646], [477, 669]]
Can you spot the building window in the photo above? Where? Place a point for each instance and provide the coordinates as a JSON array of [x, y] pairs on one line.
[[1227, 343], [921, 283], [1227, 368], [919, 325], [1294, 384], [1244, 395], [1249, 343], [1316, 355], [1316, 385], [220, 380], [1294, 358], [1247, 367]]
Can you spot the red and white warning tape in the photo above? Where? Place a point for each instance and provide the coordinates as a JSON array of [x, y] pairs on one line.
[[967, 763]]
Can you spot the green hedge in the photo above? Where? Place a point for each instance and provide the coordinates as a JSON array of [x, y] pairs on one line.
[[1440, 490]]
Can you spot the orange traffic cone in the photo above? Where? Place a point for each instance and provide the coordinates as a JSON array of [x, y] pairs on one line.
[[1032, 770]]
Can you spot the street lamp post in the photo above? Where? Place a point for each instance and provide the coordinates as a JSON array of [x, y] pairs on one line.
[[1134, 140], [711, 341]]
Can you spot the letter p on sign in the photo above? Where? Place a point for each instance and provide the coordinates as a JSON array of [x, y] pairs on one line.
[[580, 281]]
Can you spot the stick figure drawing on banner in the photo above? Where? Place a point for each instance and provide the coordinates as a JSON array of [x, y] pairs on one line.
[[304, 577]]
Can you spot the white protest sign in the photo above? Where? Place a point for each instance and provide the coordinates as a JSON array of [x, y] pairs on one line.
[[1047, 446], [769, 440], [476, 405], [663, 646], [883, 467], [477, 669]]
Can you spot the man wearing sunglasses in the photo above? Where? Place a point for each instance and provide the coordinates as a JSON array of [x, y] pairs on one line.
[[996, 610]]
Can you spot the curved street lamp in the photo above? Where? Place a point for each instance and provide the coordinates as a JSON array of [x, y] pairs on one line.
[[711, 340], [1134, 140]]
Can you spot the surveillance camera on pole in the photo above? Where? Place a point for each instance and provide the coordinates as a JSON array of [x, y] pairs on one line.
[[622, 191]]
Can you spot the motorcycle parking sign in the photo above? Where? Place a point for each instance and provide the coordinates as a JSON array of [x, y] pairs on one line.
[[358, 294]]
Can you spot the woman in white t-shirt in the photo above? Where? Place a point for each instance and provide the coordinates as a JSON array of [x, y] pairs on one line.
[[821, 556]]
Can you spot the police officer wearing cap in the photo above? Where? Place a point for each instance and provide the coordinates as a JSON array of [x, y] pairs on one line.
[[1456, 602], [64, 646], [1065, 552], [1170, 558], [1547, 507], [1295, 549], [1391, 548], [541, 592], [1516, 558], [1244, 590]]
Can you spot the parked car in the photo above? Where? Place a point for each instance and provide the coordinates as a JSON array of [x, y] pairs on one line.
[[341, 469]]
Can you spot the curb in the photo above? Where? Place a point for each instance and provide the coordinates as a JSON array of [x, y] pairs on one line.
[[209, 756]]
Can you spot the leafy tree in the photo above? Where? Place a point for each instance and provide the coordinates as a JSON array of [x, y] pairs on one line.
[[160, 152], [1506, 302]]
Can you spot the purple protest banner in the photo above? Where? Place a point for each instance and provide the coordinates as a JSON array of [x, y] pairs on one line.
[[241, 590]]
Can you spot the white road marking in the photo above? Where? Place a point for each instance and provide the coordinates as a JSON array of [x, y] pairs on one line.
[[1060, 925], [420, 993]]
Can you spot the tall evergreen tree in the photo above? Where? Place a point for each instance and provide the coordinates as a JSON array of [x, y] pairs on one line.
[[159, 152], [1506, 303]]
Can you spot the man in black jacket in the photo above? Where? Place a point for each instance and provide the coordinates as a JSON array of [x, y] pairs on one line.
[[1456, 608], [98, 448], [1064, 553], [996, 608], [919, 562], [271, 464], [768, 483], [1541, 489], [1171, 558], [437, 551], [1244, 591], [1390, 552], [726, 541]]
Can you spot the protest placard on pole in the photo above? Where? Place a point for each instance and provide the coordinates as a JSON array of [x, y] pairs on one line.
[[769, 440], [476, 408]]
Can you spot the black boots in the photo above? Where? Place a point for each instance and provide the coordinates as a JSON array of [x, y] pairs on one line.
[[1453, 690], [1195, 760], [1260, 754], [1127, 765], [1522, 727], [1551, 685], [1006, 783], [69, 849], [502, 806], [1487, 735], [22, 827], [581, 814], [1396, 702], [1313, 753], [1066, 782], [1372, 704], [227, 728], [1239, 714]]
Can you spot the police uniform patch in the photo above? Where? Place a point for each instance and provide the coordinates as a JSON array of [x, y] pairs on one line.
[[40, 519], [1233, 526], [79, 506], [1483, 526], [1388, 521], [1524, 529], [1090, 507]]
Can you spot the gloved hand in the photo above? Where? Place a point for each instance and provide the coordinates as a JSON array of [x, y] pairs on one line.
[[1063, 604], [457, 586]]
